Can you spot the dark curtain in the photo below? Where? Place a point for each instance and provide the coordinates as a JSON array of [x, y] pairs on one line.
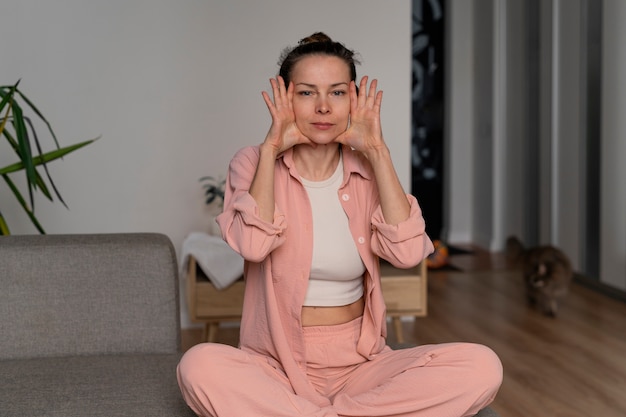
[[427, 133]]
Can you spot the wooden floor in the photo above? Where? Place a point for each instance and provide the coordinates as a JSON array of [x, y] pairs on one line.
[[570, 366]]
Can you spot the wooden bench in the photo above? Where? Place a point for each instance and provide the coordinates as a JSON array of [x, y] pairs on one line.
[[405, 292]]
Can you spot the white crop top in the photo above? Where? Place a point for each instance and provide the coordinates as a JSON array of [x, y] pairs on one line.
[[337, 269]]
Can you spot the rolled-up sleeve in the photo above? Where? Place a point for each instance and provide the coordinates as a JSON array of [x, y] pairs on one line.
[[242, 227], [405, 244]]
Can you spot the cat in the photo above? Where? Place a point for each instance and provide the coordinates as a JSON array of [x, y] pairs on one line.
[[547, 273]]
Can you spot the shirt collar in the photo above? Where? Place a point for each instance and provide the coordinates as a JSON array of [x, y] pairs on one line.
[[353, 162]]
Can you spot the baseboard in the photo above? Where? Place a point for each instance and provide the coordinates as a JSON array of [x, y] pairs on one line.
[[600, 287]]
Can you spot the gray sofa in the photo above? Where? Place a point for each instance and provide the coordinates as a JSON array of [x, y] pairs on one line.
[[89, 326]]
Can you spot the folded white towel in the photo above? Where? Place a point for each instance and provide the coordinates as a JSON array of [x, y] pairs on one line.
[[218, 261]]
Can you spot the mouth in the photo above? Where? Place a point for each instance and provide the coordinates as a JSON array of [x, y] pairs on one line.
[[322, 125]]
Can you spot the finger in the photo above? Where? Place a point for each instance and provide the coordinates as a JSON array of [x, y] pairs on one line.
[[379, 100], [278, 86], [275, 89], [282, 88], [371, 94], [268, 101], [290, 94], [353, 96], [363, 91], [281, 82]]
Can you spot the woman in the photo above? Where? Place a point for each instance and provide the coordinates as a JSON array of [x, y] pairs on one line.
[[311, 210]]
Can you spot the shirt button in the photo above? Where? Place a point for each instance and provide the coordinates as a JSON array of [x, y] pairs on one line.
[[345, 197], [361, 240]]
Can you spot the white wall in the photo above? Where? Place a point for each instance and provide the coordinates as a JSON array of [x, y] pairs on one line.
[[613, 151], [174, 89], [460, 114]]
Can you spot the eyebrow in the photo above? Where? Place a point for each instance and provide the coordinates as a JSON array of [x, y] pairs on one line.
[[314, 86]]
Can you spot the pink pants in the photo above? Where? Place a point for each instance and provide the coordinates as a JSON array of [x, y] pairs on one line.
[[446, 380]]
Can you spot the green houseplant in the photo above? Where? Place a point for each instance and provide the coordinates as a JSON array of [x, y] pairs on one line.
[[213, 190], [214, 200], [18, 129]]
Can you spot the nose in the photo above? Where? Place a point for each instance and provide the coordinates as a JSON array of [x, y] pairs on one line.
[[322, 106]]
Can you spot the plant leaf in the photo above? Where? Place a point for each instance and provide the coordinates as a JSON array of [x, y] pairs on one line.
[[20, 199], [47, 157], [4, 227], [38, 113], [40, 183], [7, 96], [25, 152], [5, 119], [40, 159], [45, 168], [7, 100], [15, 102]]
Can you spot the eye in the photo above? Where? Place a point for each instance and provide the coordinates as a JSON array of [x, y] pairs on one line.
[[305, 93], [338, 93]]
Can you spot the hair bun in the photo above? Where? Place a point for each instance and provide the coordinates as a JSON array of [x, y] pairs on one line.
[[316, 37], [318, 43]]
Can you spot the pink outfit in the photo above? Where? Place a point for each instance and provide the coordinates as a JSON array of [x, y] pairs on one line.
[[284, 369]]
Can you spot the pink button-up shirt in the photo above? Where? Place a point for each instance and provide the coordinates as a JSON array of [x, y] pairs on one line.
[[278, 256]]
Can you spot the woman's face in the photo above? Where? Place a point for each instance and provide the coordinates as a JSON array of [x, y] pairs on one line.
[[321, 102]]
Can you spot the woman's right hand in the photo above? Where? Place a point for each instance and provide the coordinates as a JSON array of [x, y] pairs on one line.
[[284, 132]]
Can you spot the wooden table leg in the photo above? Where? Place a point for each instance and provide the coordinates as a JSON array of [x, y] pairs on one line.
[[397, 326], [209, 334]]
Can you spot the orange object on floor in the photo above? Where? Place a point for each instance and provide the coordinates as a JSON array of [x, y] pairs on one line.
[[439, 258]]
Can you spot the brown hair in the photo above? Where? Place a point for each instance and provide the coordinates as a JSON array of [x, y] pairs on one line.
[[316, 44]]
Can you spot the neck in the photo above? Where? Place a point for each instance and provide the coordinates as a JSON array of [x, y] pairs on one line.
[[316, 163]]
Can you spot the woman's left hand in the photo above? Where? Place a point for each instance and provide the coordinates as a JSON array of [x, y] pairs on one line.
[[364, 133]]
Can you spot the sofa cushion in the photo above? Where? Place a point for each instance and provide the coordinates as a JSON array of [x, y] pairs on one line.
[[65, 295], [107, 385]]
